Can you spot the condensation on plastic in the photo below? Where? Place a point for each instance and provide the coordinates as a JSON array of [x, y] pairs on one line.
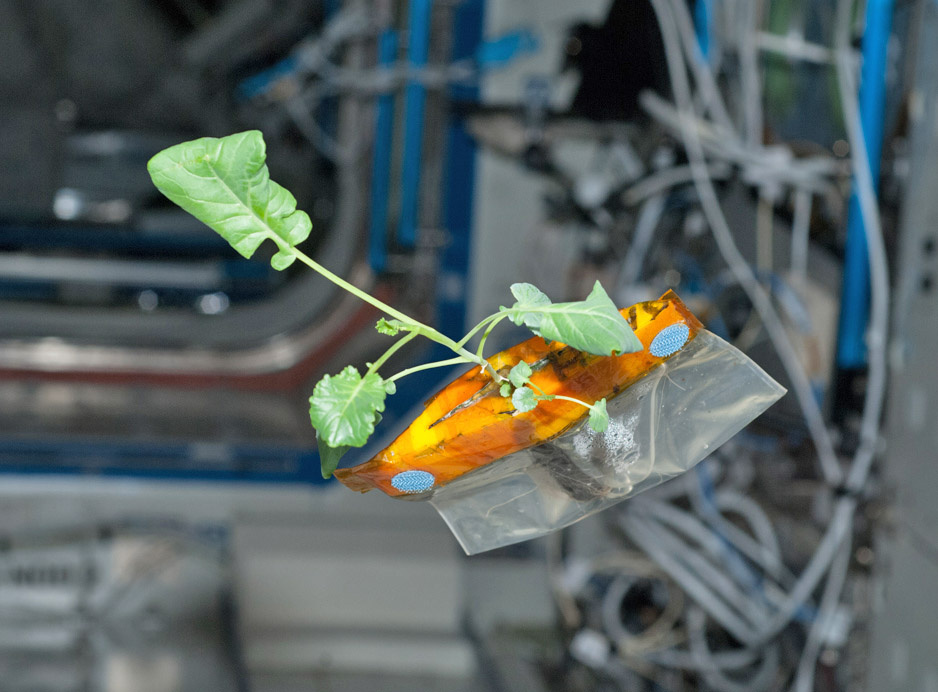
[[659, 427]]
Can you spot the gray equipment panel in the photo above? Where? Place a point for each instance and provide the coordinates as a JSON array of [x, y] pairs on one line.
[[904, 653]]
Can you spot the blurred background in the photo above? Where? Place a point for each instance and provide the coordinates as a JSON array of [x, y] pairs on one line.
[[163, 523]]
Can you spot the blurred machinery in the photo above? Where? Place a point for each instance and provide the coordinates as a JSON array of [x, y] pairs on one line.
[[764, 158], [103, 607]]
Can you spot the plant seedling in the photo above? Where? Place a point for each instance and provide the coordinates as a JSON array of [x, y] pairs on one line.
[[226, 185]]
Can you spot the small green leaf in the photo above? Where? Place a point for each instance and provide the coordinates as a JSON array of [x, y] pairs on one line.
[[599, 418], [520, 374], [523, 399], [225, 184], [389, 327], [505, 389], [593, 325], [390, 387], [343, 407], [329, 457]]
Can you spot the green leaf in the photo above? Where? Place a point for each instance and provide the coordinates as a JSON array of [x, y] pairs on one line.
[[390, 387], [505, 389], [329, 457], [599, 418], [530, 297], [520, 374], [282, 259], [593, 325], [389, 327], [225, 184], [343, 407], [523, 399]]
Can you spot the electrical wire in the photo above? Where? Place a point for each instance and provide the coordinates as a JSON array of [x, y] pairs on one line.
[[800, 233], [648, 219], [752, 590], [876, 249], [761, 679], [770, 165], [835, 541], [705, 554], [663, 180], [658, 634], [721, 660], [877, 337], [747, 25], [706, 82], [765, 215], [649, 538], [764, 550], [841, 523], [817, 429], [830, 600], [794, 47]]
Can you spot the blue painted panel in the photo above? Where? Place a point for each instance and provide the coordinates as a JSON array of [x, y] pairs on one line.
[[161, 460], [459, 180], [418, 47], [855, 298], [381, 165]]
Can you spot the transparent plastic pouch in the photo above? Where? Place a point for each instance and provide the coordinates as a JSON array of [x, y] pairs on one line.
[[498, 476], [660, 427]]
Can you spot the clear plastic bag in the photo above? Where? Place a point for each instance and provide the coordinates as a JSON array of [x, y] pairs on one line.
[[660, 426], [498, 476]]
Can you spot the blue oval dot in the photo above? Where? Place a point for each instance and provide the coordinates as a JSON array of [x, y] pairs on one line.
[[669, 340], [413, 481]]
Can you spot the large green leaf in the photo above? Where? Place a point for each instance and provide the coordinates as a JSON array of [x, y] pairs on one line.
[[593, 325], [225, 184], [344, 407]]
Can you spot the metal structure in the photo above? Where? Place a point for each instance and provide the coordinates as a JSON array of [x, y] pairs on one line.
[[148, 374], [903, 644], [109, 311]]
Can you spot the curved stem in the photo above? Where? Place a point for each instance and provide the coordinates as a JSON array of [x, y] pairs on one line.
[[428, 366], [498, 318], [416, 327], [547, 396], [397, 345], [351, 288], [472, 332], [468, 356], [570, 398]]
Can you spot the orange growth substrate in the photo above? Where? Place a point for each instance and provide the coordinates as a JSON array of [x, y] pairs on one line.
[[469, 424]]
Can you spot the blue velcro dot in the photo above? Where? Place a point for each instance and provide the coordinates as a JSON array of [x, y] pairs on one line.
[[413, 481], [669, 340]]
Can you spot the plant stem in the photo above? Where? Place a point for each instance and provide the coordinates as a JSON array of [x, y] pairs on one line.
[[472, 332], [485, 336], [416, 327], [390, 352], [468, 356], [428, 366], [547, 396], [351, 288], [570, 398]]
